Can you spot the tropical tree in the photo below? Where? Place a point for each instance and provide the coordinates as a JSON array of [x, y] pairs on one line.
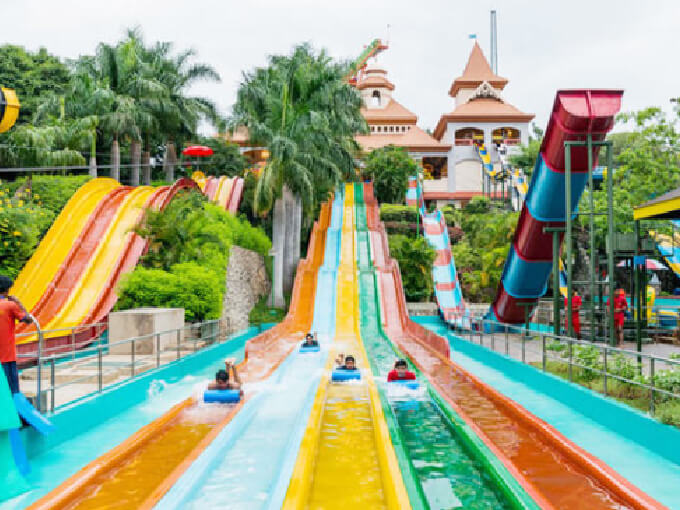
[[526, 158], [34, 75], [135, 93], [389, 168], [226, 159], [300, 108]]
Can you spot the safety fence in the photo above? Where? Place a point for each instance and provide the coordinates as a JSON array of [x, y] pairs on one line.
[[80, 368], [643, 380]]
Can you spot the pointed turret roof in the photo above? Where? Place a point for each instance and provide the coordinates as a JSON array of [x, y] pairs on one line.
[[476, 72], [375, 76]]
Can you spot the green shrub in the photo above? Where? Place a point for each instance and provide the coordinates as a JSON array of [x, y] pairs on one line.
[[22, 223], [478, 205], [189, 238], [415, 257], [669, 412], [481, 254], [53, 191], [188, 285], [398, 212], [262, 314], [588, 357], [389, 168]]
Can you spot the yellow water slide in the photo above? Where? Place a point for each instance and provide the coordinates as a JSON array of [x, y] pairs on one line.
[[224, 191], [199, 178], [346, 459], [40, 270], [103, 262]]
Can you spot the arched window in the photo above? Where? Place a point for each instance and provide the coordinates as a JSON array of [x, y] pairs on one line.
[[506, 134], [375, 98]]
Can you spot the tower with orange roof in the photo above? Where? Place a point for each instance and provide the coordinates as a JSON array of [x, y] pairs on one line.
[[480, 115]]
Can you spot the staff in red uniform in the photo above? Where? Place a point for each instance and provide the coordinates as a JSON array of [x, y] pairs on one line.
[[11, 311], [576, 303], [401, 372], [620, 307]]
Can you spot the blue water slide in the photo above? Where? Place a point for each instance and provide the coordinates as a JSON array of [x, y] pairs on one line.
[[324, 302]]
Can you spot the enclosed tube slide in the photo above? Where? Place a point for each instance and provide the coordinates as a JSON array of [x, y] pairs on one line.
[[575, 114]]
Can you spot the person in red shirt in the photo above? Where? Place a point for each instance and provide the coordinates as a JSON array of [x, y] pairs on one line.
[[576, 303], [11, 311], [620, 307], [401, 372]]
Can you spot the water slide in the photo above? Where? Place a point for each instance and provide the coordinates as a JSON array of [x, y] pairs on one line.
[[669, 248], [226, 191], [446, 285], [41, 269], [92, 246], [346, 459], [250, 464], [442, 461], [518, 182], [554, 471], [142, 469], [575, 114]]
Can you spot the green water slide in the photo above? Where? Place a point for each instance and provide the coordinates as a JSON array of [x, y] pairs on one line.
[[444, 464]]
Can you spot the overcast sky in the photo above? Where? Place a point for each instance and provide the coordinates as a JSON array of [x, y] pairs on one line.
[[542, 45]]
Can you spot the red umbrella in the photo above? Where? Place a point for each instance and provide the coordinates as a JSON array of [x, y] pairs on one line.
[[198, 151]]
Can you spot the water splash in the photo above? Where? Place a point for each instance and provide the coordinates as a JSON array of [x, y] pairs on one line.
[[156, 387]]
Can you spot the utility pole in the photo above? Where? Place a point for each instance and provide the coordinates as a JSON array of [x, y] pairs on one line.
[[494, 43]]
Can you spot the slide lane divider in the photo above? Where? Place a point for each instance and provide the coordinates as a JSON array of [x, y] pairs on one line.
[[599, 485], [271, 461]]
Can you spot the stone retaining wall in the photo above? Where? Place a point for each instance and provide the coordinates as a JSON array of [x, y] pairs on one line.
[[247, 282]]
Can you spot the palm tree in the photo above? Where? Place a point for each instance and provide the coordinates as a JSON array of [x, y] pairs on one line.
[[137, 94], [301, 109]]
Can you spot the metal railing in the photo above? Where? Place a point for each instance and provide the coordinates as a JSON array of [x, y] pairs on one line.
[[592, 359], [139, 354]]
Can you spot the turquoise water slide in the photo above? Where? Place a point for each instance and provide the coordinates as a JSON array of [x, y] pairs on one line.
[[95, 425]]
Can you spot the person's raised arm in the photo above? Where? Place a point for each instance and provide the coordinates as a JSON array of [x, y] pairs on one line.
[[27, 319], [237, 380]]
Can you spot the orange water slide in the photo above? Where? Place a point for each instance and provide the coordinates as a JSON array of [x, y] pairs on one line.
[[82, 250], [135, 247], [553, 470], [138, 472]]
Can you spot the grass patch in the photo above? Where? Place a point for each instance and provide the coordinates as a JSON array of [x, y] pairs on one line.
[[262, 313]]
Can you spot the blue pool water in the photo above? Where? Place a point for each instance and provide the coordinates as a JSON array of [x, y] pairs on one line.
[[91, 427], [652, 469]]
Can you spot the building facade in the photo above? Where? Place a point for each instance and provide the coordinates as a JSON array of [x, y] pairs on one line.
[[390, 123], [480, 115]]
